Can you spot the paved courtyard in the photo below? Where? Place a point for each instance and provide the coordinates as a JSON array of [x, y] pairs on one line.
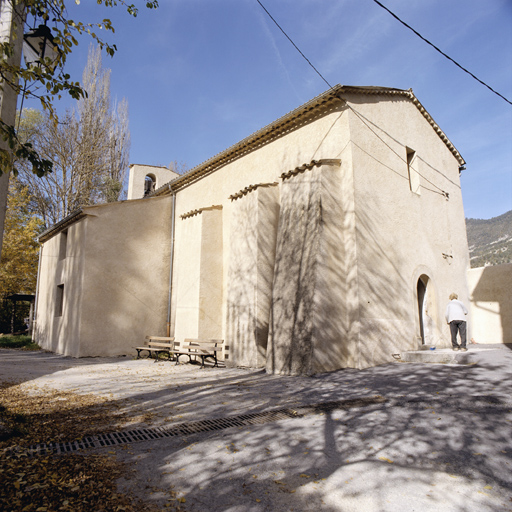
[[428, 437]]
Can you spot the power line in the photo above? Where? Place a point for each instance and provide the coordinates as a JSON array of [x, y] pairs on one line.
[[295, 46], [441, 191], [442, 53], [362, 119]]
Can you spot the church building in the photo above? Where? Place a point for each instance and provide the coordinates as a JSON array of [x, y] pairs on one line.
[[330, 238]]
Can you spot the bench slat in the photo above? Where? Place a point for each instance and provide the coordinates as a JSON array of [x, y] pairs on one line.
[[202, 348], [165, 344], [160, 344], [193, 340]]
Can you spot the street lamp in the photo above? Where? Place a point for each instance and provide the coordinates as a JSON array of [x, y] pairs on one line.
[[38, 45]]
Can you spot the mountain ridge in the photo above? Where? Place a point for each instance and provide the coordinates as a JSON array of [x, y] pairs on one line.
[[490, 240]]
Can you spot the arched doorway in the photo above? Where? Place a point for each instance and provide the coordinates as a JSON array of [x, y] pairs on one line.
[[425, 309]]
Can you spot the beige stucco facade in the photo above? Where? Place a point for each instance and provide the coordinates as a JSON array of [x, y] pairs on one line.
[[330, 238], [104, 279], [491, 306]]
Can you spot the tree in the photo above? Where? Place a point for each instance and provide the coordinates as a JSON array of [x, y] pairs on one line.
[[89, 149], [47, 77], [104, 135], [19, 262], [18, 265], [44, 72]]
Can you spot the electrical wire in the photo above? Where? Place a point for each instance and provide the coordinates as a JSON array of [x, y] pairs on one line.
[[361, 118], [295, 46], [442, 53], [439, 189]]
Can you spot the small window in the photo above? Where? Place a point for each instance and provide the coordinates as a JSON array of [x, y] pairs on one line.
[[63, 247], [412, 168], [59, 300]]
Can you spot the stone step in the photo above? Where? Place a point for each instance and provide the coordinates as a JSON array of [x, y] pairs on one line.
[[445, 355]]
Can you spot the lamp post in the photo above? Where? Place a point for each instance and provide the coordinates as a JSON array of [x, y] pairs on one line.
[[38, 45], [12, 20]]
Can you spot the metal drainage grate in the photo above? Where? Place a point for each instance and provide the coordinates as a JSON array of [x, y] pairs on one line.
[[148, 434]]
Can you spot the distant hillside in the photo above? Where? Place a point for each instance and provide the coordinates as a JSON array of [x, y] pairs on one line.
[[490, 241]]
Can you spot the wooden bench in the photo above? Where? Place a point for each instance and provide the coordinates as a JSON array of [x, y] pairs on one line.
[[158, 345], [200, 348]]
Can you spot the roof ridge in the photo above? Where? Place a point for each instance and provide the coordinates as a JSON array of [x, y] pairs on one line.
[[278, 127]]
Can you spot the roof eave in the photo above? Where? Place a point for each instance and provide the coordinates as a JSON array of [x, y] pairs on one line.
[[61, 225], [288, 121]]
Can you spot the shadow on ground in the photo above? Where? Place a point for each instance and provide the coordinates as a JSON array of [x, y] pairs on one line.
[[442, 440]]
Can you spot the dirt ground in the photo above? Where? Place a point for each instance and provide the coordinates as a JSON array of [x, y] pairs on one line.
[[425, 437]]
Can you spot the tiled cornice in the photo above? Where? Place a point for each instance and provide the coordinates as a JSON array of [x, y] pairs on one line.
[[314, 163], [249, 189], [191, 213], [322, 104]]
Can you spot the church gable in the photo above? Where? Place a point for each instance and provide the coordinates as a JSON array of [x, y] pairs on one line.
[[301, 246]]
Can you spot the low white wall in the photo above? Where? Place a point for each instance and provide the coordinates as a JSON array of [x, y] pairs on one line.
[[491, 305]]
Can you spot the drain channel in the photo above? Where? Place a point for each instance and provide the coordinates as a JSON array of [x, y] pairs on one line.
[[148, 434]]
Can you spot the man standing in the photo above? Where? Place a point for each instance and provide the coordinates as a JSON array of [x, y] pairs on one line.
[[456, 316]]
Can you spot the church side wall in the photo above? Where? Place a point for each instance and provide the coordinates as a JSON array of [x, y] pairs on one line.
[[403, 235], [309, 328], [337, 315], [126, 276], [211, 275], [59, 301], [316, 140], [250, 273], [186, 277]]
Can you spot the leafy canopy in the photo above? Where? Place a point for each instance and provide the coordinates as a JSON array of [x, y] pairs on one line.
[[18, 265], [49, 78]]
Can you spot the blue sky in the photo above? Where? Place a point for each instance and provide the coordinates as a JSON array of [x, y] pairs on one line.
[[200, 75]]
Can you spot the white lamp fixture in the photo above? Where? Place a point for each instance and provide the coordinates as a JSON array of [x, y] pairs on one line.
[[38, 45]]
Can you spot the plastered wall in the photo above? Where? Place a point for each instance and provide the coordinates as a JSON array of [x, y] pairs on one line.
[[313, 140], [250, 273], [491, 305], [403, 235], [115, 279], [61, 265], [306, 327], [199, 275]]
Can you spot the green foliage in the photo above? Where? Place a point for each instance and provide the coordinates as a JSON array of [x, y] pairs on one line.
[[20, 251], [21, 151], [13, 316], [20, 254], [20, 341], [48, 79], [89, 149]]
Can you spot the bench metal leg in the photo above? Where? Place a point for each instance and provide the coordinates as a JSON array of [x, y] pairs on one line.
[[213, 356]]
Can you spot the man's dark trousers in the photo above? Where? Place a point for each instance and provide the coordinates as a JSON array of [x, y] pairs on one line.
[[460, 326]]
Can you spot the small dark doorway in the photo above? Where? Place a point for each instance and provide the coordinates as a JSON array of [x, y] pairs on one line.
[[421, 290]]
